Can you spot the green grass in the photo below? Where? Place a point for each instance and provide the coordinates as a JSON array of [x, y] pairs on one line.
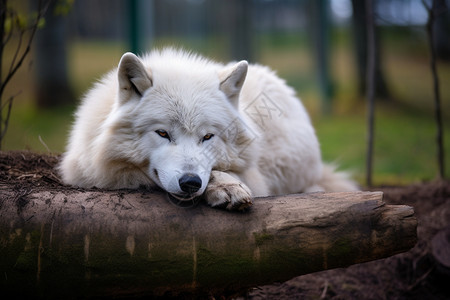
[[405, 148], [38, 130]]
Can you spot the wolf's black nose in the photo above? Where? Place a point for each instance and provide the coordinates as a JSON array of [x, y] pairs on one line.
[[190, 183]]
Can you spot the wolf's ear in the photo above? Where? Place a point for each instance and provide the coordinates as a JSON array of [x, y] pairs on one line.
[[133, 78], [232, 79]]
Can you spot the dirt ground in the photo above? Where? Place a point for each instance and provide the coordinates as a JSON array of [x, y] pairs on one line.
[[421, 273]]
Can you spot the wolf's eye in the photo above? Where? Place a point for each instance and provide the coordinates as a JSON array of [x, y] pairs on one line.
[[163, 133], [207, 137]]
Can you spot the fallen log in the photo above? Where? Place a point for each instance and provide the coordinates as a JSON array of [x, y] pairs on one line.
[[55, 244]]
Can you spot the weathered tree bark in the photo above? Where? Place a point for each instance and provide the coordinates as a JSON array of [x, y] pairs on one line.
[[74, 243]]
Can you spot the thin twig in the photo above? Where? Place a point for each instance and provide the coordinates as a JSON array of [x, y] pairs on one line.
[[27, 49], [44, 144], [18, 58], [421, 279], [325, 290], [3, 12], [10, 33], [11, 98], [6, 121], [16, 53]]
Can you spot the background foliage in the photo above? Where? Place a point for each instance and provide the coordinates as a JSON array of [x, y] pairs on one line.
[[282, 35]]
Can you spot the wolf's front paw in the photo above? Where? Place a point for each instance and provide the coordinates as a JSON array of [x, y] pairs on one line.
[[225, 191], [230, 196]]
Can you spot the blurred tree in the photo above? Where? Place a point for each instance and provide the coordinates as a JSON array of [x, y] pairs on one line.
[[99, 19], [140, 25], [134, 34], [17, 32], [52, 83], [240, 29], [321, 25], [441, 31], [438, 7], [360, 37], [371, 84]]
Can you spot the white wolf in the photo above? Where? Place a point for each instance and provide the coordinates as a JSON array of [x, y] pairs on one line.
[[195, 127]]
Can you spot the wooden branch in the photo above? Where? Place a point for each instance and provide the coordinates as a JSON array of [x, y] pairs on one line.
[[99, 243]]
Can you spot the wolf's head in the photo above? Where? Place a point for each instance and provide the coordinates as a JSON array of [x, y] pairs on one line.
[[177, 118]]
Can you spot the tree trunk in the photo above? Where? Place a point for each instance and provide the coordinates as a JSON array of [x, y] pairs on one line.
[[433, 12], [371, 83], [322, 40], [441, 32], [239, 29], [51, 73], [55, 244], [360, 39]]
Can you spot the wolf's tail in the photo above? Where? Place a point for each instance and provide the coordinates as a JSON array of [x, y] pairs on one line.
[[334, 181]]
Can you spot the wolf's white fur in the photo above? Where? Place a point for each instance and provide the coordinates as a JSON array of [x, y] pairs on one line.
[[261, 138]]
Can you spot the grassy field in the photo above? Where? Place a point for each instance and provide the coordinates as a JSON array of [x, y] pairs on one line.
[[405, 148], [404, 151]]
